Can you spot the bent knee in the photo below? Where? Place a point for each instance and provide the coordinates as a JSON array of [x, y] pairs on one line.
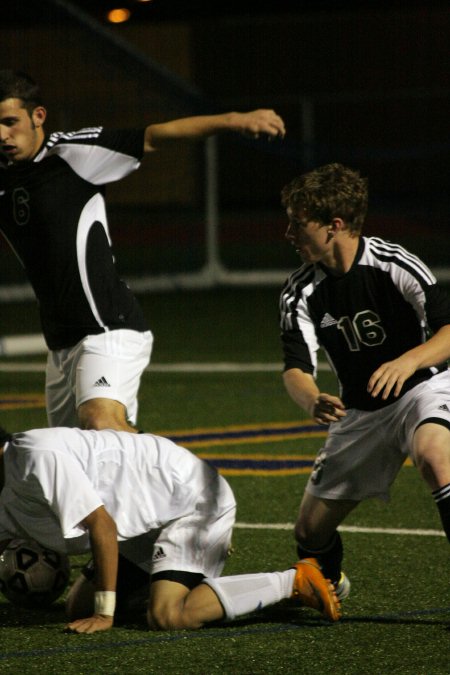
[[159, 621], [171, 617], [434, 465], [167, 620], [433, 462]]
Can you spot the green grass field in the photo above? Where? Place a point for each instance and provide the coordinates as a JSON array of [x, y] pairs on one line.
[[397, 619]]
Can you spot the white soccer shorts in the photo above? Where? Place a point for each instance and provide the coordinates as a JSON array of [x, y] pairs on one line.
[[108, 365], [365, 450], [198, 542]]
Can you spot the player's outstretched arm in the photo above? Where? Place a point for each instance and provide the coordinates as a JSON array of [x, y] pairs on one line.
[[253, 124], [105, 552], [302, 388]]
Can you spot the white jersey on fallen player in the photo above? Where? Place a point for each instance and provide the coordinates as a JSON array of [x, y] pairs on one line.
[[54, 478]]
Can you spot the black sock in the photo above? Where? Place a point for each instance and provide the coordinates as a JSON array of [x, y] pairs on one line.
[[442, 499], [329, 557]]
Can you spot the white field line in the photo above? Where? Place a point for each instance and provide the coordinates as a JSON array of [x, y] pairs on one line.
[[346, 528], [219, 367]]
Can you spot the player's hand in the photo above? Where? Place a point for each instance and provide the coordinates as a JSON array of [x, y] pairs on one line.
[[390, 377], [91, 624], [260, 123], [328, 409]]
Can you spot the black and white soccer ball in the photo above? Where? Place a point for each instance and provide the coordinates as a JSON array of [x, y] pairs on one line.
[[32, 576]]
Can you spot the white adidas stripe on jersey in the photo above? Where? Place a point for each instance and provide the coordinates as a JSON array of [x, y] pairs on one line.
[[395, 252], [87, 132]]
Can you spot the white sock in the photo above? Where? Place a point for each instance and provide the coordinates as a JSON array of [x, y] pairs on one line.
[[245, 593]]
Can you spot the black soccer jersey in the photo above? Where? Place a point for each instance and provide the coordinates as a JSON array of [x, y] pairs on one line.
[[52, 213], [386, 304]]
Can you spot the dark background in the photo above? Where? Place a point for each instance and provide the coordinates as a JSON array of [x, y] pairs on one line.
[[180, 10], [363, 83]]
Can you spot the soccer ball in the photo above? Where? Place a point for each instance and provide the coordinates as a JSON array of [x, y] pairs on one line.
[[32, 576]]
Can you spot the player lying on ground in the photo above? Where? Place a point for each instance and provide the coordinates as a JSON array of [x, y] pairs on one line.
[[52, 213], [384, 323], [163, 508]]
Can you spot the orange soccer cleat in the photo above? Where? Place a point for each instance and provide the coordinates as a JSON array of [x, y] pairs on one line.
[[313, 590]]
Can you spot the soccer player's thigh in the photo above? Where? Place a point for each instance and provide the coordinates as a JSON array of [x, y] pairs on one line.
[[60, 389], [428, 429]]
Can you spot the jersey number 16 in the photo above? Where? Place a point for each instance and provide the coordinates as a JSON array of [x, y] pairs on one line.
[[365, 328]]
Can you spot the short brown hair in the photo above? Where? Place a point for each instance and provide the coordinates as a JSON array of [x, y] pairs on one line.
[[331, 191], [15, 84]]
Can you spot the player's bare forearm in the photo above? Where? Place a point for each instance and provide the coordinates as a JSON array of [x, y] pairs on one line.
[[253, 124], [105, 549], [392, 375], [105, 552], [302, 388]]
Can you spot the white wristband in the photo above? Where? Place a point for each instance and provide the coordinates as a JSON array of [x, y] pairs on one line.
[[105, 602]]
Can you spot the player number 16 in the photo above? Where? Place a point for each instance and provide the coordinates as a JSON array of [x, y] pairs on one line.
[[365, 328]]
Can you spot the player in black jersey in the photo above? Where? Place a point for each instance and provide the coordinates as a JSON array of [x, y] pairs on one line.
[[384, 324], [52, 213]]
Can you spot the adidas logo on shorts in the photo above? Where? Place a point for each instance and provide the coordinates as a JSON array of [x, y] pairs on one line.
[[444, 406], [158, 554], [102, 382]]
